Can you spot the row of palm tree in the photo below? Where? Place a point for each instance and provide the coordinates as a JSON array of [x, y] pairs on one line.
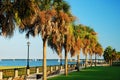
[[87, 42], [79, 38], [52, 20]]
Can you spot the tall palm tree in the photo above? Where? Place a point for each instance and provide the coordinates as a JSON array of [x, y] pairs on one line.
[[67, 47], [83, 33], [87, 40], [90, 36], [63, 21], [98, 51], [59, 41], [109, 54], [44, 27], [86, 49], [93, 42], [78, 34], [91, 52], [75, 50], [40, 22], [86, 43]]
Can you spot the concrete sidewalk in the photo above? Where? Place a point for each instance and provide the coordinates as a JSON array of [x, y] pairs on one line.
[[34, 76]]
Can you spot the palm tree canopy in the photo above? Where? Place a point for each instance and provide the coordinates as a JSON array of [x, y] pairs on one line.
[[62, 26], [49, 18], [6, 18], [98, 49], [17, 11], [85, 37], [109, 53]]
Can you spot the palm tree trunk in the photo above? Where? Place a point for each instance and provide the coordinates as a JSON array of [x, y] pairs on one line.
[[78, 62], [61, 61], [44, 58], [91, 60], [66, 62], [110, 62], [95, 59], [86, 61]]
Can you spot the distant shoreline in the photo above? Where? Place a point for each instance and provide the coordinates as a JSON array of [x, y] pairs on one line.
[[24, 59], [31, 59]]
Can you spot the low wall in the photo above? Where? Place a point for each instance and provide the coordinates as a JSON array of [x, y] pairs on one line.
[[5, 74], [13, 74]]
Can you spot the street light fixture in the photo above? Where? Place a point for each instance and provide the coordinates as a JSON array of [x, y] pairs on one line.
[[28, 44]]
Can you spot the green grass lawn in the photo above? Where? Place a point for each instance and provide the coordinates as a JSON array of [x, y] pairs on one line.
[[93, 73]]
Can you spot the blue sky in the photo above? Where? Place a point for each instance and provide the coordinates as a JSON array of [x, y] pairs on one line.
[[102, 15]]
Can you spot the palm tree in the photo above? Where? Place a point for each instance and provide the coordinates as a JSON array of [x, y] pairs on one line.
[[98, 50], [64, 30], [91, 52], [78, 34], [88, 42], [40, 22], [85, 50], [109, 54], [83, 33], [65, 41], [27, 14], [67, 47], [93, 42], [62, 41], [44, 27], [75, 50], [62, 34]]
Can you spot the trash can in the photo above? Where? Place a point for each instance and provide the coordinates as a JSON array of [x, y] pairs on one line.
[[38, 76]]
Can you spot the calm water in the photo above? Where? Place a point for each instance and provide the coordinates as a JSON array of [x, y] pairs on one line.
[[31, 62]]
